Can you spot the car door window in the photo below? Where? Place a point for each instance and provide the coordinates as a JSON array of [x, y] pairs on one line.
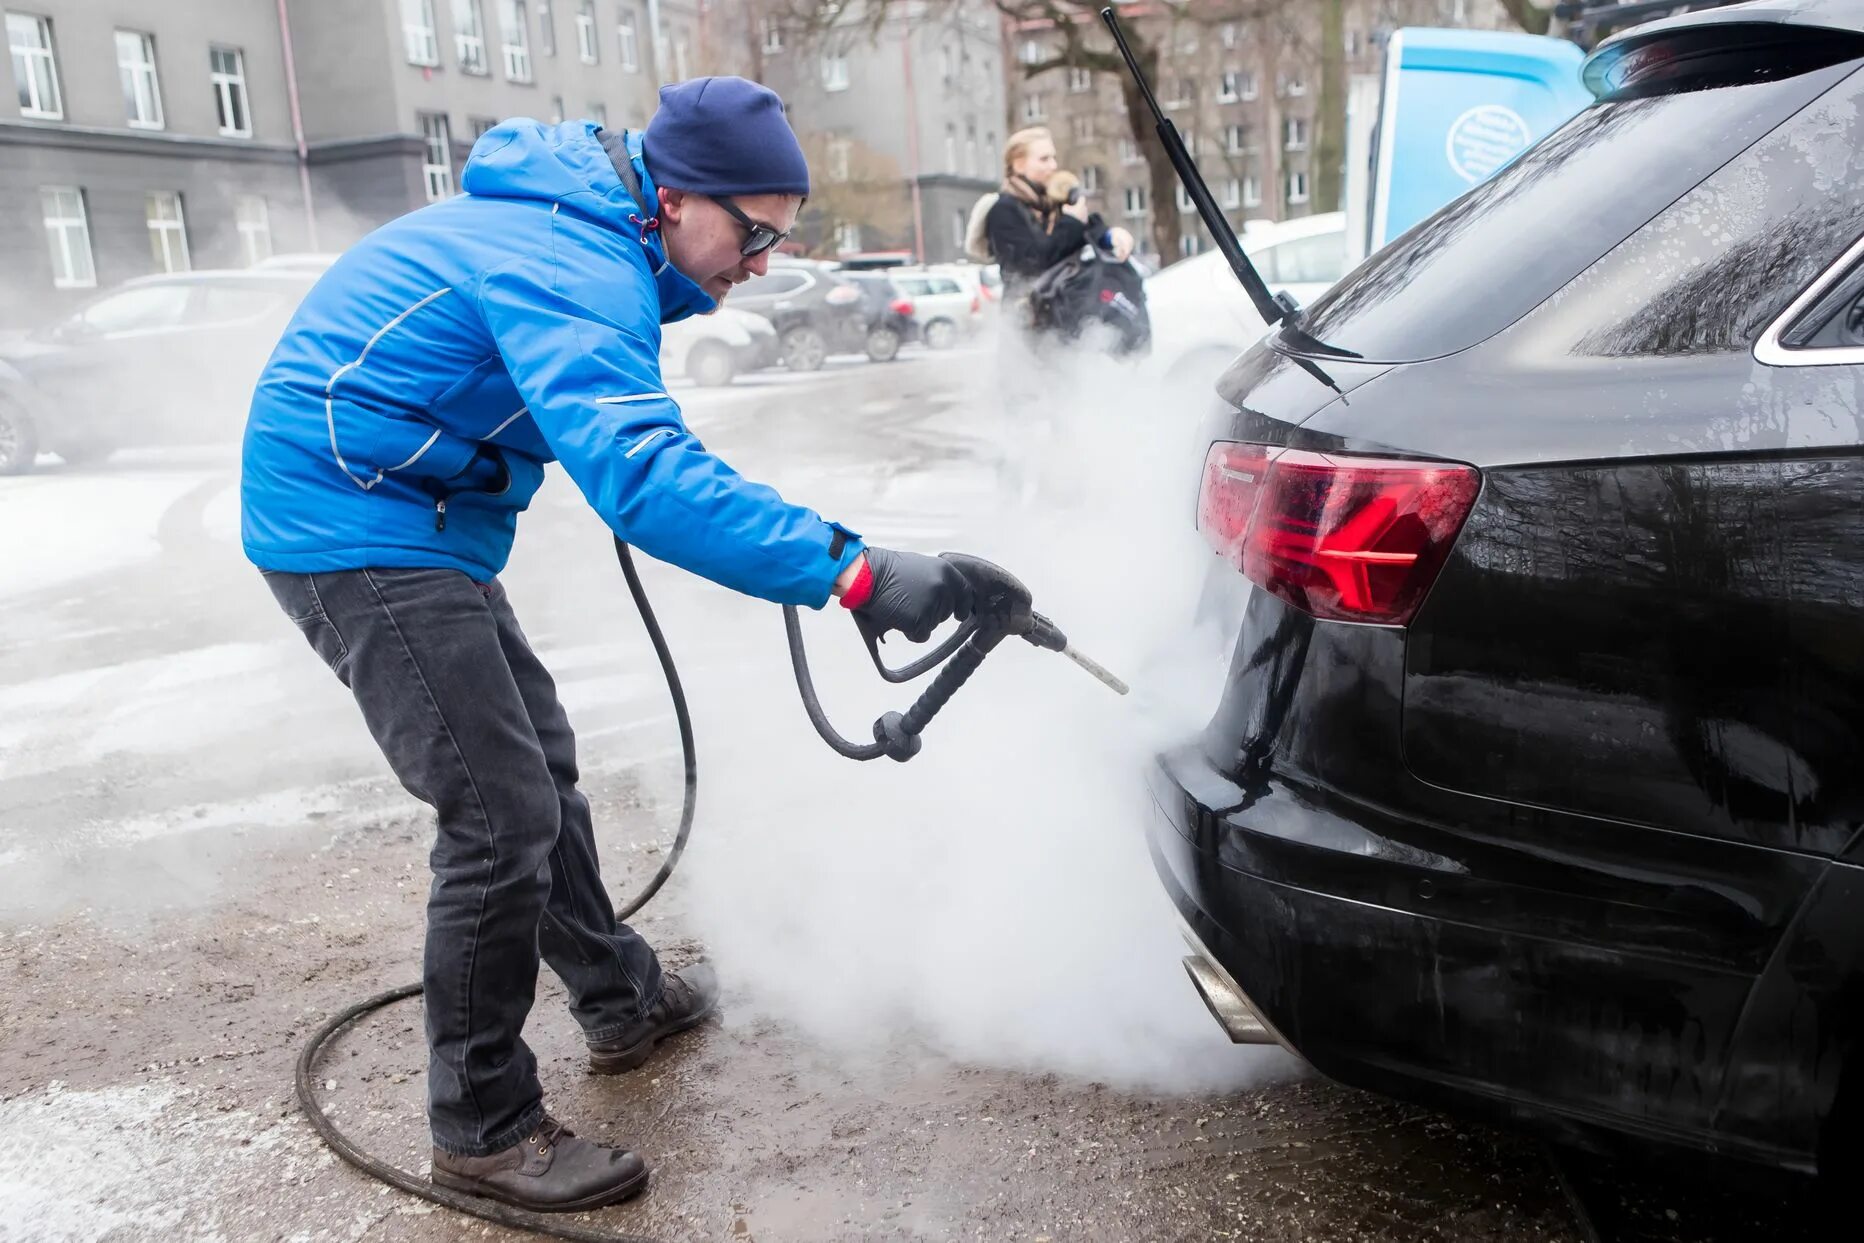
[[137, 310], [946, 286], [1318, 260], [231, 304]]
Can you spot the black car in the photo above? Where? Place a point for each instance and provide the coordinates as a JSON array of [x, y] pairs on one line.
[[161, 359], [889, 314], [815, 310], [1536, 784]]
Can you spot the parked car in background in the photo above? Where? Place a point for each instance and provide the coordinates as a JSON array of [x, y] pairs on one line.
[[1533, 787], [1200, 314], [711, 350], [306, 261], [890, 322], [158, 360], [946, 305], [815, 310]]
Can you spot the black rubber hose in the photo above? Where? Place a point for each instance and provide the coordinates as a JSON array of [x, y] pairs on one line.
[[492, 1210], [805, 685]]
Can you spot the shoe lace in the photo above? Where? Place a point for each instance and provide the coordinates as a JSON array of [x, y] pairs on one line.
[[547, 1133]]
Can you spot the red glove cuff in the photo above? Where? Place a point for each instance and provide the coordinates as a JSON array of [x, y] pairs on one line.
[[862, 589]]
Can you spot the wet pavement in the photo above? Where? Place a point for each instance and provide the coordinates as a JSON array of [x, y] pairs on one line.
[[204, 858]]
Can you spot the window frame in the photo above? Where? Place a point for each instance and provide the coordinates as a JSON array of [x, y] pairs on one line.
[[588, 47], [437, 136], [628, 36], [26, 76], [418, 23], [59, 236], [228, 85], [249, 229], [1305, 194], [167, 235], [514, 19], [133, 77], [835, 72], [469, 38]]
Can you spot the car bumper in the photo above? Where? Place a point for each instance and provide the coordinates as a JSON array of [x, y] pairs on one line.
[[1310, 915]]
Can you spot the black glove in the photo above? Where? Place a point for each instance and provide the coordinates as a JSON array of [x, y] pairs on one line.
[[912, 593]]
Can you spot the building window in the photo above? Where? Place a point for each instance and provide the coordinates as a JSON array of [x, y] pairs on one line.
[[834, 71], [1229, 34], [35, 66], [557, 110], [1236, 140], [481, 126], [1030, 53], [1353, 43], [469, 36], [229, 78], [546, 28], [142, 90], [1184, 200], [1294, 133], [437, 165], [1297, 189], [773, 36], [1251, 88], [630, 43], [1092, 179], [69, 236], [168, 232], [1189, 243], [585, 33], [1129, 151], [255, 228], [970, 149], [1032, 108], [1083, 128], [1184, 93], [1230, 87], [417, 29], [516, 30], [599, 114], [1294, 84], [1252, 191], [1135, 201], [1080, 81], [1233, 192], [960, 229], [681, 70], [847, 238], [838, 151]]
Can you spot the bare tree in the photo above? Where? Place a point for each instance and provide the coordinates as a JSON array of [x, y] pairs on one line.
[[853, 185]]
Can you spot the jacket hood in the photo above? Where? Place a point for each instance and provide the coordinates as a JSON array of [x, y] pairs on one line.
[[567, 164]]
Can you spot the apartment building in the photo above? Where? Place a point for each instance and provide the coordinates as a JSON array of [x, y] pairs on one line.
[[140, 137], [903, 122], [1243, 88]]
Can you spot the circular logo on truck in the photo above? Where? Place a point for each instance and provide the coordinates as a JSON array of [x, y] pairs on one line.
[[1485, 138]]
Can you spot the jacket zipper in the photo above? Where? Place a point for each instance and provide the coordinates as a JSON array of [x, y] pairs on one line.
[[440, 513]]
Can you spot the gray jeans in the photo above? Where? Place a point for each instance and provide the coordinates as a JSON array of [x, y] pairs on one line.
[[469, 720]]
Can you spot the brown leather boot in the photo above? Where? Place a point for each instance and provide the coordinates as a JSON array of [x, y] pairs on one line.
[[551, 1171], [685, 1000]]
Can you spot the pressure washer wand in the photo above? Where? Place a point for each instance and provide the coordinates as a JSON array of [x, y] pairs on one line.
[[1001, 610]]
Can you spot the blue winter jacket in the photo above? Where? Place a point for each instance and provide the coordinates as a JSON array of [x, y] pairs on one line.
[[406, 416]]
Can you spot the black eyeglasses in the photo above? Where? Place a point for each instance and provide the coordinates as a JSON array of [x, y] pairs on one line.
[[759, 237]]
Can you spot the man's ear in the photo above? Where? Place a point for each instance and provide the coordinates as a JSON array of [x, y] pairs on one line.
[[672, 203]]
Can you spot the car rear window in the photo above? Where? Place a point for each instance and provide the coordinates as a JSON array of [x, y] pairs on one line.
[[1487, 258]]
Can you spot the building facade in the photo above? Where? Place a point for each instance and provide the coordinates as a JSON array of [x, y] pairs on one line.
[[1242, 84], [903, 121], [141, 137]]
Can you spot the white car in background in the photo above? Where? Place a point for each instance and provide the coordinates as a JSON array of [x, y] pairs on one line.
[[947, 302], [712, 350], [1202, 319]]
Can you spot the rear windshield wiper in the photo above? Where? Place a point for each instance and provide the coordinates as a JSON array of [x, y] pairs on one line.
[[1274, 308]]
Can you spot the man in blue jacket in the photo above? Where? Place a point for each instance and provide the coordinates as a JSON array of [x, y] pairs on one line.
[[400, 427]]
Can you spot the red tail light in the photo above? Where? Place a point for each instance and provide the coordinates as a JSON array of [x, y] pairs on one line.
[[901, 306], [1343, 538], [977, 304]]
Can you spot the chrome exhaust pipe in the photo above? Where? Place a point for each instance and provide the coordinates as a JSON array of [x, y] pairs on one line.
[[1228, 1004]]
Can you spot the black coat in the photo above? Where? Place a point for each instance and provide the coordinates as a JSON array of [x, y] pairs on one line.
[[1023, 248]]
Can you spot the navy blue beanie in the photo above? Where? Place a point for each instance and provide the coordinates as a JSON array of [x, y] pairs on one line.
[[723, 136]]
